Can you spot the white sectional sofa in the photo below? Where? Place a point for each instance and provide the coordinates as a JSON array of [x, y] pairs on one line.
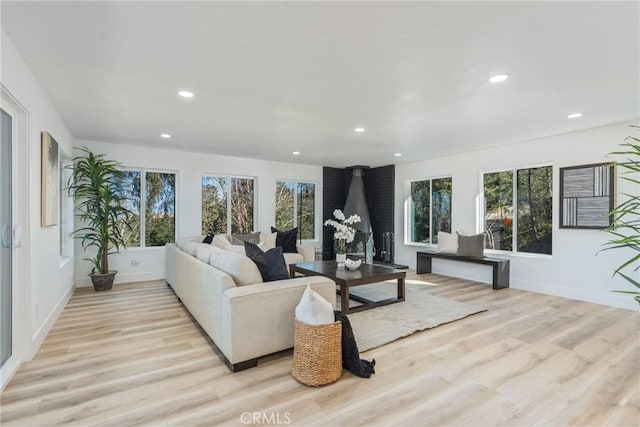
[[223, 290]]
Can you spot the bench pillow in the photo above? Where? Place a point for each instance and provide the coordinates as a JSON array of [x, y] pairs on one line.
[[471, 245], [447, 243]]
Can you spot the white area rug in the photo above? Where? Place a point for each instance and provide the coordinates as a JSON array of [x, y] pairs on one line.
[[420, 310]]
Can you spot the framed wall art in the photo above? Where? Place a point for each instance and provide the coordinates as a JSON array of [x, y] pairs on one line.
[[50, 181], [587, 196]]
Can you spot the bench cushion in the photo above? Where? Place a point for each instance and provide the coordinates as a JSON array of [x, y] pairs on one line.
[[447, 243], [471, 245]]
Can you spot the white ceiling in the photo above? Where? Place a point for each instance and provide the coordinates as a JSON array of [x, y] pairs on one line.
[[275, 77]]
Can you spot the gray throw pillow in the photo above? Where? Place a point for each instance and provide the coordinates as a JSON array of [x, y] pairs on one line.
[[471, 245], [239, 239]]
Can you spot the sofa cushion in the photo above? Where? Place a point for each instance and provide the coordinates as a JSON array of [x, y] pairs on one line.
[[286, 239], [313, 309], [239, 239], [241, 269], [204, 252], [270, 263], [293, 258], [191, 247], [447, 243], [471, 245], [238, 249], [180, 243]]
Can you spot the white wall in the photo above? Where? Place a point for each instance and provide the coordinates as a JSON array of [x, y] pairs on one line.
[[576, 269], [190, 167], [49, 281]]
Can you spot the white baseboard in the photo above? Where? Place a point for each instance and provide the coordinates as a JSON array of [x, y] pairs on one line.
[[9, 370], [483, 275], [83, 282], [612, 299], [41, 334]]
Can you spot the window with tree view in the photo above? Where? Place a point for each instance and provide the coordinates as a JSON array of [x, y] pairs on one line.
[[430, 209], [530, 200], [227, 204], [295, 207], [153, 214]]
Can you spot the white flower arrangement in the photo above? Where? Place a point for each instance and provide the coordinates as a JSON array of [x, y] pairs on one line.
[[344, 232]]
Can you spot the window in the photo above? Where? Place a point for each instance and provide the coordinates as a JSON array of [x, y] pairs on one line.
[[296, 207], [151, 196], [430, 209], [519, 215], [227, 204]]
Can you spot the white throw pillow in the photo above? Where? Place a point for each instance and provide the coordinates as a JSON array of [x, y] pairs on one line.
[[313, 309], [267, 241], [242, 270], [447, 243], [220, 241]]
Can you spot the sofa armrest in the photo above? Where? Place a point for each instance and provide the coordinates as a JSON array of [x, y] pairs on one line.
[[259, 318], [308, 252]]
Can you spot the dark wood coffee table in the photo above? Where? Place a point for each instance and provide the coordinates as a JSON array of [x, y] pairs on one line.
[[364, 275]]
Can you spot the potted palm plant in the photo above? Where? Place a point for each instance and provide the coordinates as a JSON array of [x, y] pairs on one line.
[[101, 210], [625, 227]]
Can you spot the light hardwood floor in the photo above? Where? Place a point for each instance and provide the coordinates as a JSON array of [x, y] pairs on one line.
[[134, 356]]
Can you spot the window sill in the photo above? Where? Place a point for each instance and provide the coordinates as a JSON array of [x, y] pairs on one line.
[[422, 245], [308, 242], [139, 248], [517, 254]]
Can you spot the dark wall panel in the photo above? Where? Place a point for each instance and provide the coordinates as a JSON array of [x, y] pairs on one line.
[[333, 196], [379, 184]]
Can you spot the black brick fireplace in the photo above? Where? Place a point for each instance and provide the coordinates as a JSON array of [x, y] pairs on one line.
[[379, 185]]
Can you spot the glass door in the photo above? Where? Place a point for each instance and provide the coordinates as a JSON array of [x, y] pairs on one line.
[[6, 235]]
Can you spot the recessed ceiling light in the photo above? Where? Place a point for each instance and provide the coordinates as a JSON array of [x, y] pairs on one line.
[[165, 135], [398, 154], [185, 94], [296, 153], [359, 130], [498, 78], [574, 115]]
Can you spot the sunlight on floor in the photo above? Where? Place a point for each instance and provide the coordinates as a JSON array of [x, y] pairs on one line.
[[413, 282]]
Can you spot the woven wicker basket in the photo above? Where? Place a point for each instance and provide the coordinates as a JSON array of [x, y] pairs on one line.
[[317, 353]]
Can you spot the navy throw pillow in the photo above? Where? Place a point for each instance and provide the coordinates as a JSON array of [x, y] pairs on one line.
[[270, 263], [209, 238], [287, 240]]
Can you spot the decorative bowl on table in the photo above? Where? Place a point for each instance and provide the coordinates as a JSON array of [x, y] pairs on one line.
[[352, 264]]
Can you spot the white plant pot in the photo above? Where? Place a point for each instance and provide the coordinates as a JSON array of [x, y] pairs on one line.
[[340, 259]]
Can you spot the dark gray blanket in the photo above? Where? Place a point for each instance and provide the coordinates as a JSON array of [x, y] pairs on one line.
[[350, 355]]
